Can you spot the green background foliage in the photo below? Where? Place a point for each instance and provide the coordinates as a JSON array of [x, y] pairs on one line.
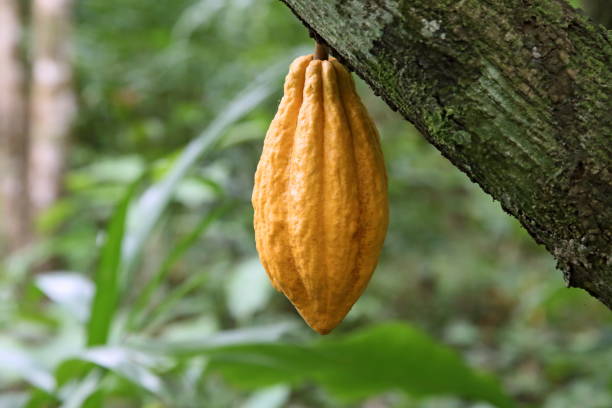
[[146, 290]]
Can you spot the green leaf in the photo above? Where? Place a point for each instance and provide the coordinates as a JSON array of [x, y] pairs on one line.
[[248, 290], [259, 335], [385, 358], [117, 169], [244, 132], [71, 290], [13, 399], [54, 216], [162, 312], [192, 193], [107, 280], [21, 365], [273, 397], [75, 393], [40, 399], [130, 364], [70, 369], [175, 255], [154, 200]]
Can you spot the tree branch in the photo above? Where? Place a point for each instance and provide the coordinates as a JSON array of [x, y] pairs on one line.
[[515, 93]]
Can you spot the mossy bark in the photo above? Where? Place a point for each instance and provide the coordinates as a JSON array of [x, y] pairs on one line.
[[515, 93]]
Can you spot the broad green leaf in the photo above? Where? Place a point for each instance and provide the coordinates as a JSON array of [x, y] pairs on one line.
[[273, 397], [162, 312], [196, 346], [71, 290], [130, 364], [54, 216], [122, 169], [107, 279], [192, 193], [40, 399], [147, 211], [13, 399], [248, 290], [385, 358], [196, 16], [75, 393], [246, 131], [18, 364], [70, 369], [177, 330], [175, 254]]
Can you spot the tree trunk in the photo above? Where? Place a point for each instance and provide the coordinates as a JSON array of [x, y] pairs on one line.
[[53, 106], [600, 11], [515, 93], [14, 202]]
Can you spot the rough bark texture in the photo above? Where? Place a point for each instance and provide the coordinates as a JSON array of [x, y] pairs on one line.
[[515, 93], [53, 105], [14, 202]]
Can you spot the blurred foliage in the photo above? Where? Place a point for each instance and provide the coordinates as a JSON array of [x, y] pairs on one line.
[[146, 290]]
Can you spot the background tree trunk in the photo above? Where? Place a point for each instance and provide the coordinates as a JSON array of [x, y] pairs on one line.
[[14, 202], [515, 93], [600, 11], [53, 106]]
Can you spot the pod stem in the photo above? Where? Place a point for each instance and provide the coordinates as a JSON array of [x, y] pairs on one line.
[[321, 51]]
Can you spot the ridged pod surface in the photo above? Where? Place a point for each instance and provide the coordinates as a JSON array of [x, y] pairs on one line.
[[320, 194]]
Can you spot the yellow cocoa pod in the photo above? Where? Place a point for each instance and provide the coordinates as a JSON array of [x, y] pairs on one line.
[[320, 195]]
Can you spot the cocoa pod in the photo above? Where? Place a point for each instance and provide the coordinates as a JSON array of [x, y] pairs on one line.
[[320, 194]]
